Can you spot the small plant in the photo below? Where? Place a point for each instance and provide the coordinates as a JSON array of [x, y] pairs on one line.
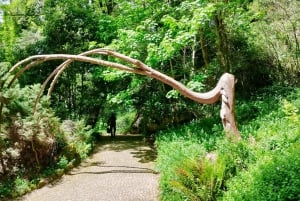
[[200, 179], [63, 163], [171, 158], [78, 141], [22, 186]]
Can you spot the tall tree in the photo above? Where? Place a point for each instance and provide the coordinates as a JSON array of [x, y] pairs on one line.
[[278, 33]]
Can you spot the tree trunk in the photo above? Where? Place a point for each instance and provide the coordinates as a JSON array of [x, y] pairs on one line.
[[203, 48], [222, 42], [227, 106], [224, 89]]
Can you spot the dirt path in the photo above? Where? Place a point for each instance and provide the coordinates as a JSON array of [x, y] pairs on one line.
[[120, 170]]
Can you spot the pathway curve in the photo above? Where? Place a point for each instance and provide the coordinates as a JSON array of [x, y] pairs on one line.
[[120, 170]]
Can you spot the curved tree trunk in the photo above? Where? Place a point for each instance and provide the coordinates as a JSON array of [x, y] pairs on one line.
[[224, 89]]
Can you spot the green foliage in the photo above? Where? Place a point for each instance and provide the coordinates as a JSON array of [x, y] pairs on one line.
[[22, 186], [273, 177], [63, 163], [107, 29], [171, 157], [186, 175], [69, 25], [262, 166], [273, 161], [270, 163], [19, 185], [181, 153], [29, 138], [33, 144], [77, 141], [200, 180], [20, 27], [181, 38], [276, 32], [124, 121], [192, 41]]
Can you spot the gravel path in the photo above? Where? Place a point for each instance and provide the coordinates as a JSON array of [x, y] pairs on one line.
[[120, 170]]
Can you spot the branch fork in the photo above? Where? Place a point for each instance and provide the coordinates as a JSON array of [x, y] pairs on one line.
[[224, 89]]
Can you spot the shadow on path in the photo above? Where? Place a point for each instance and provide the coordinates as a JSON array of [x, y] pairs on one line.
[[119, 169], [125, 169], [142, 150]]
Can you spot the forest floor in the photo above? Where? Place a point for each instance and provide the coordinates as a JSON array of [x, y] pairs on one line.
[[121, 169]]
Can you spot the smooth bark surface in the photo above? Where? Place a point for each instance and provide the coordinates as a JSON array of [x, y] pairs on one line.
[[224, 89]]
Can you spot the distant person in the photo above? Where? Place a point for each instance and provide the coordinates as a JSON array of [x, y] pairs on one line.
[[112, 124]]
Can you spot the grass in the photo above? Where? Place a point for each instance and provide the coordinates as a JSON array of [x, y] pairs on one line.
[[247, 170], [197, 162]]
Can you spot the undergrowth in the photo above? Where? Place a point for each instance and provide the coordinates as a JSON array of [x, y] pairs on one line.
[[198, 163], [34, 147]]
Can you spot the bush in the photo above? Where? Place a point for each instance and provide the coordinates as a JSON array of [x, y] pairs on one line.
[[273, 174], [271, 178], [77, 140], [174, 157], [22, 186], [236, 156], [32, 145], [262, 166], [200, 179], [179, 151], [28, 140]]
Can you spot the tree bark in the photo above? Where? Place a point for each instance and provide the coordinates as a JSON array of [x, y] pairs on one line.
[[222, 42], [203, 48], [224, 89]]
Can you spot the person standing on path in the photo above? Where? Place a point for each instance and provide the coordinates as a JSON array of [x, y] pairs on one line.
[[112, 124]]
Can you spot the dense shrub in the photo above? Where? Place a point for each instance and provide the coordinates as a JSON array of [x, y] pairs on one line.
[[172, 160], [200, 179], [28, 139], [262, 166], [274, 177], [34, 145], [181, 161], [273, 173]]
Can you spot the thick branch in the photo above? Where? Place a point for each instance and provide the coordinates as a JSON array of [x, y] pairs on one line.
[[57, 72], [207, 98], [224, 88]]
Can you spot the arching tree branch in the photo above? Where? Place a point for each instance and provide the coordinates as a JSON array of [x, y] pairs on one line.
[[224, 89]]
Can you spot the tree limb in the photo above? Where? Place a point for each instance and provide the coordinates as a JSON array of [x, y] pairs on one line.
[[224, 89]]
